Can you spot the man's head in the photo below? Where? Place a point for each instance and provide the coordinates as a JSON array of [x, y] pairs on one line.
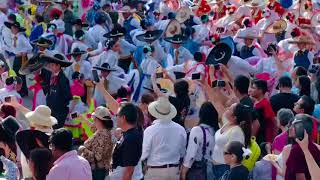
[[127, 116], [54, 67], [259, 88], [60, 142], [284, 116], [241, 85], [305, 105], [285, 84], [248, 41], [305, 121]]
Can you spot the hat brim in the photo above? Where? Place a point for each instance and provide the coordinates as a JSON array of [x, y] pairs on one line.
[[77, 53], [34, 118], [173, 41], [270, 29], [220, 54], [155, 113], [47, 44], [300, 42], [26, 140], [103, 69], [156, 35], [51, 59], [111, 35], [34, 64], [9, 25]]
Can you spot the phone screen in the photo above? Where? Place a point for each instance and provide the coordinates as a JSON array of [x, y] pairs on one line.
[[299, 129], [179, 75], [218, 83], [74, 115], [196, 76], [159, 75], [95, 75], [7, 99]]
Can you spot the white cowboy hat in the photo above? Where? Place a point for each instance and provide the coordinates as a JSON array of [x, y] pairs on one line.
[[127, 9], [248, 33], [162, 109], [41, 117]]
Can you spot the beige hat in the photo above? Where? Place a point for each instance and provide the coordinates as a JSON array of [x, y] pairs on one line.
[[256, 3], [248, 33], [276, 27], [162, 109], [173, 28], [102, 113], [41, 116], [302, 40], [183, 14]]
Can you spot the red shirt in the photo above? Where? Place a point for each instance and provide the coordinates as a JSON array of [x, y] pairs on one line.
[[314, 130], [276, 7]]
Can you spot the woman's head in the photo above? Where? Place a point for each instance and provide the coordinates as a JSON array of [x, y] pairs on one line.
[[298, 71], [40, 163], [304, 85], [209, 115], [7, 110], [145, 100], [241, 115], [102, 118], [181, 88], [233, 153]]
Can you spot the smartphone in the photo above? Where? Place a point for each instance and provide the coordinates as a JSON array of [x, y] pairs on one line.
[[218, 83], [196, 76], [95, 76], [159, 75], [216, 67], [74, 115], [179, 75], [7, 99], [299, 129]]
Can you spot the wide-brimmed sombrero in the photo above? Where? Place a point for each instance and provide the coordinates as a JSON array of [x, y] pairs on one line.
[[76, 52], [277, 27], [127, 9], [34, 64], [173, 28], [15, 24], [104, 67], [116, 32], [220, 54], [56, 59], [80, 23], [150, 36], [302, 40], [183, 14], [43, 42], [176, 39]]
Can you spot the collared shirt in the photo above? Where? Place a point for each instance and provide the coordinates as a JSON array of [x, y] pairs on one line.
[[97, 33], [195, 145], [70, 166], [85, 69], [159, 146], [21, 45], [126, 48]]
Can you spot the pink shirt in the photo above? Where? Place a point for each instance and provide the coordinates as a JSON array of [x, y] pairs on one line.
[[280, 141], [70, 166]]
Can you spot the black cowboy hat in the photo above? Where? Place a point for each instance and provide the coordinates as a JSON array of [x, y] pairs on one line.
[[34, 64], [9, 128], [63, 2], [150, 36], [77, 51], [43, 42], [79, 34], [104, 67], [115, 32], [221, 53], [176, 39], [15, 24], [26, 140], [56, 59], [79, 22]]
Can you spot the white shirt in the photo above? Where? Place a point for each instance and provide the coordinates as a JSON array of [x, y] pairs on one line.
[[85, 69], [78, 44], [149, 65], [243, 11], [233, 134], [195, 145], [164, 142], [268, 65], [201, 32], [22, 44], [5, 93], [126, 48], [162, 24], [97, 32]]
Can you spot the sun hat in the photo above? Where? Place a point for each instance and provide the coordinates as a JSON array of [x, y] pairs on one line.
[[102, 113], [41, 116], [277, 26], [162, 109]]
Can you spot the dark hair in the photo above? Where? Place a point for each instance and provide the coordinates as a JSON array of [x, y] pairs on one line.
[[140, 118], [107, 124], [306, 121], [242, 83], [235, 147], [8, 110], [147, 98], [285, 81], [263, 148], [208, 115], [261, 85], [129, 111], [243, 116], [18, 80], [123, 92], [39, 18], [300, 71], [181, 88], [10, 81], [62, 139], [197, 56], [305, 85], [307, 105], [42, 160]]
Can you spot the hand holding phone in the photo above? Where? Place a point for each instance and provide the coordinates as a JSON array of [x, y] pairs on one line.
[[196, 76], [299, 129], [95, 76], [74, 115], [218, 83]]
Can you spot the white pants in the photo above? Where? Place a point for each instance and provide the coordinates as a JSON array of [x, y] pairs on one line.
[[172, 173]]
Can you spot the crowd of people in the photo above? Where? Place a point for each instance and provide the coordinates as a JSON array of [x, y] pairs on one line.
[[160, 89]]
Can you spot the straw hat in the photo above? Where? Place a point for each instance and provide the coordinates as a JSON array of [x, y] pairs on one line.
[[162, 109], [41, 116], [183, 14], [173, 28], [302, 40], [276, 27]]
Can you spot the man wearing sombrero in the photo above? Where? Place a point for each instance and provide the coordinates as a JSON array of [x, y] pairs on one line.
[[303, 57], [78, 25], [20, 47], [179, 53], [80, 64], [42, 44], [56, 87], [248, 49], [130, 23]]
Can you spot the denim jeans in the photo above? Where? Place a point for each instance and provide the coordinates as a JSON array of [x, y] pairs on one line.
[[219, 170]]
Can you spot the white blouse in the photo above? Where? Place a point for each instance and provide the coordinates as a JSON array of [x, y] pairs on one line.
[[233, 134], [195, 144]]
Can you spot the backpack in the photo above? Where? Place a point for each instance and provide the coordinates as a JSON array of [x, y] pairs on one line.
[[250, 161]]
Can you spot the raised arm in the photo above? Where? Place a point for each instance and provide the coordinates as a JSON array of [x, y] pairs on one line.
[[112, 104]]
